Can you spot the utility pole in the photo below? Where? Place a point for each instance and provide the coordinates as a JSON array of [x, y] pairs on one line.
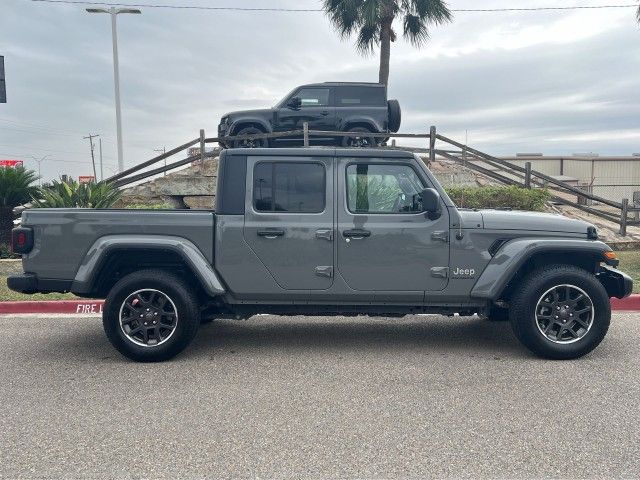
[[163, 150], [40, 160], [93, 159], [101, 165]]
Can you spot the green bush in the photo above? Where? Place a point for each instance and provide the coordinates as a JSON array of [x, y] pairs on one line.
[[5, 252], [497, 196], [72, 194]]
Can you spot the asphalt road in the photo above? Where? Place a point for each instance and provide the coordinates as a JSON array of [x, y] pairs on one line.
[[302, 397]]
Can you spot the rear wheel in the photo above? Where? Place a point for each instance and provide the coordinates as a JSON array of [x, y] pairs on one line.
[[359, 139], [250, 142], [151, 316], [560, 312]]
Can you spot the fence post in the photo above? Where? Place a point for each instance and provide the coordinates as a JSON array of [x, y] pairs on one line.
[[527, 175], [623, 217], [432, 144], [202, 155], [305, 132]]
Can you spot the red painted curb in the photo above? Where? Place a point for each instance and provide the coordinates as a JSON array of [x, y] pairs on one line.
[[629, 304], [81, 307], [86, 307]]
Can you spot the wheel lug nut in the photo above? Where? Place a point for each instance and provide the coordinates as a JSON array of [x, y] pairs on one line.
[[141, 315], [558, 308], [146, 323], [154, 322]]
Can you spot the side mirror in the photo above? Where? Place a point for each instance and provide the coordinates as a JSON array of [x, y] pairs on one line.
[[430, 201], [294, 103]]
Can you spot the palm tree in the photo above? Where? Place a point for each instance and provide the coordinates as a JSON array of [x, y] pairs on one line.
[[372, 20], [15, 189]]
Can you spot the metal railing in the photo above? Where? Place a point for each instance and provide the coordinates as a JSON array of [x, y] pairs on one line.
[[488, 165]]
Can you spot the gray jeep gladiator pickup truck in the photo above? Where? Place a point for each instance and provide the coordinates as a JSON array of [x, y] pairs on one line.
[[360, 108], [323, 231]]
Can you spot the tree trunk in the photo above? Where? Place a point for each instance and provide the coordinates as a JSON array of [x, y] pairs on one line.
[[6, 224], [385, 50]]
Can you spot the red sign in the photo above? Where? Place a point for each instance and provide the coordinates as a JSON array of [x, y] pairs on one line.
[[11, 163], [86, 179]]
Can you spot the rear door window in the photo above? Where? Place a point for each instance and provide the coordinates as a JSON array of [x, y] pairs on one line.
[[289, 187]]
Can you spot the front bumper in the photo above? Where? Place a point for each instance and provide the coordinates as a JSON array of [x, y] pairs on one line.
[[618, 284]]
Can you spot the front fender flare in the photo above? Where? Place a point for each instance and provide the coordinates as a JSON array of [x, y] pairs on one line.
[[85, 278], [258, 121], [513, 255]]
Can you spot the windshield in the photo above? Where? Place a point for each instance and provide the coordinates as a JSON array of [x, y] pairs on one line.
[[283, 102]]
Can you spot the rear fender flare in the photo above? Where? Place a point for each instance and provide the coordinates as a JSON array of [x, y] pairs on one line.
[[86, 275], [513, 255]]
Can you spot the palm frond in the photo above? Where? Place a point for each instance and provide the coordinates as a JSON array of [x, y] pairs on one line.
[[368, 38], [15, 186]]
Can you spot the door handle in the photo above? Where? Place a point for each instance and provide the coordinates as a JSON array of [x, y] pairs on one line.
[[324, 114], [356, 234], [325, 234], [270, 233]]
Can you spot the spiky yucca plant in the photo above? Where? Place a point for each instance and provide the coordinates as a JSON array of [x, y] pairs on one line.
[[15, 189], [72, 194]]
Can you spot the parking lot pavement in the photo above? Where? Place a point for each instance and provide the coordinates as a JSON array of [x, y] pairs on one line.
[[317, 397]]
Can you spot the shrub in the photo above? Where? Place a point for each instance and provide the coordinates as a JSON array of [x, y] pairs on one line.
[[498, 196], [76, 195], [15, 189], [5, 252]]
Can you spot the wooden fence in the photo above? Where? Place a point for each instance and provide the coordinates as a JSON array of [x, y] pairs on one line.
[[490, 166]]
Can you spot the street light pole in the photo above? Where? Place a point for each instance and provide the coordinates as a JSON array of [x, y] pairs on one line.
[[114, 12], [116, 81], [40, 160]]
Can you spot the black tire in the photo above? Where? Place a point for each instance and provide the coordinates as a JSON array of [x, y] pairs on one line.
[[535, 294], [395, 115], [255, 143], [182, 301], [359, 141]]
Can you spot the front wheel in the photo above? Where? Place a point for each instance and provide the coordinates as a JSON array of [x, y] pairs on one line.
[[250, 142], [151, 315], [560, 312]]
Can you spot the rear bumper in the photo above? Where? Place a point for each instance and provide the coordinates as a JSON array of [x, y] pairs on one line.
[[618, 284], [29, 283]]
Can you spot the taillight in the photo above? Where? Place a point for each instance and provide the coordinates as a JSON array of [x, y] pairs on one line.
[[21, 240]]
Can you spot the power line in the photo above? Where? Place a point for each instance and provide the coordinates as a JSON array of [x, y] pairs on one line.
[[278, 9]]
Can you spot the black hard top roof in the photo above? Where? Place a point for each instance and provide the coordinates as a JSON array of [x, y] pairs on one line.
[[319, 152], [345, 84]]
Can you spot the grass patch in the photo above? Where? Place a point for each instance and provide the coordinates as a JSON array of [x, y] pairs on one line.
[[630, 264]]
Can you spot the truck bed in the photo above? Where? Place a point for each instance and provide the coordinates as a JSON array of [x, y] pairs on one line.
[[64, 236]]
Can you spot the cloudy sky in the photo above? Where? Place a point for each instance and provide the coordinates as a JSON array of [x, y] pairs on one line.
[[553, 82]]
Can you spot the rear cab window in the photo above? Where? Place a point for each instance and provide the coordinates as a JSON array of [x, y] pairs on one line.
[[293, 187], [353, 96]]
